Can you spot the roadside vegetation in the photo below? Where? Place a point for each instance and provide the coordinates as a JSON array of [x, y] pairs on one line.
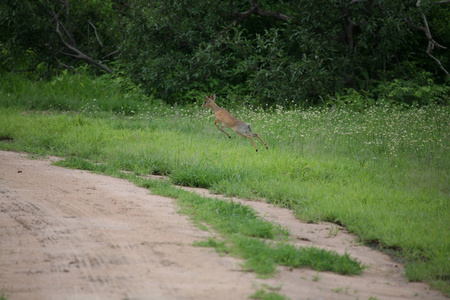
[[379, 170]]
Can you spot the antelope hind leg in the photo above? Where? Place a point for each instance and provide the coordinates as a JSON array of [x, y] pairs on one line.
[[257, 135]]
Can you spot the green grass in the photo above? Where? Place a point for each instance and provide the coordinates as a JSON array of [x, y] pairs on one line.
[[383, 173], [263, 294]]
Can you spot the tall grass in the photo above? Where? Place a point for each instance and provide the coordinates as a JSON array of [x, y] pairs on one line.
[[383, 172], [72, 92]]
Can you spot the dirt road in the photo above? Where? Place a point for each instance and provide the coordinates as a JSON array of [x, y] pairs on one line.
[[69, 234]]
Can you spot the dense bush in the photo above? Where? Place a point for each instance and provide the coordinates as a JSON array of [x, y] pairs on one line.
[[179, 49], [260, 52]]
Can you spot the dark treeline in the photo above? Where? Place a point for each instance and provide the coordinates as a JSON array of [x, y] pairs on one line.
[[301, 52]]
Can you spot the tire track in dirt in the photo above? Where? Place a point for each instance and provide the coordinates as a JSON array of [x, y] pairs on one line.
[[70, 234]]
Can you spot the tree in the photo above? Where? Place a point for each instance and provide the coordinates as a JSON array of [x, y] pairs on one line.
[[278, 52], [271, 52], [57, 33]]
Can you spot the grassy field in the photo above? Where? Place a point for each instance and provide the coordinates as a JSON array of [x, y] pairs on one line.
[[382, 172]]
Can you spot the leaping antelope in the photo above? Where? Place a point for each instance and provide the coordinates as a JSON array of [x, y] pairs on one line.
[[228, 120]]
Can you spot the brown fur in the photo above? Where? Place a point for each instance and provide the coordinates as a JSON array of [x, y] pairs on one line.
[[228, 120]]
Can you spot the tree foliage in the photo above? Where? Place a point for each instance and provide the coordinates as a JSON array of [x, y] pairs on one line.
[[54, 34], [274, 52]]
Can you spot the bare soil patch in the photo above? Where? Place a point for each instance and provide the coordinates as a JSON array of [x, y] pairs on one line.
[[70, 234]]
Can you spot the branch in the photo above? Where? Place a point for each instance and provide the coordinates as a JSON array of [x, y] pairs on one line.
[[431, 42], [77, 53], [257, 10], [272, 14], [438, 62], [111, 54], [96, 34], [69, 23], [64, 65]]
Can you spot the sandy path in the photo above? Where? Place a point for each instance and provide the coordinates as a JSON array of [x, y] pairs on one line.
[[70, 234]]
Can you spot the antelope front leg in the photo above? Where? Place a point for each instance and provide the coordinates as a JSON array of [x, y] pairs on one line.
[[215, 123], [254, 144]]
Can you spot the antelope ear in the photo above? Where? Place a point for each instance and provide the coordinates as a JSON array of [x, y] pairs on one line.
[[214, 97]]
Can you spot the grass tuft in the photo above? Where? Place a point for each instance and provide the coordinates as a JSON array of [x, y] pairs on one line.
[[262, 294]]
